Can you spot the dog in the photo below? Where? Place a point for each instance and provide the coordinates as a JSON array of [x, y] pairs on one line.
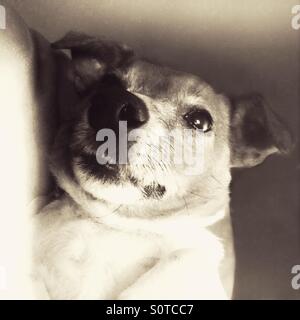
[[146, 228]]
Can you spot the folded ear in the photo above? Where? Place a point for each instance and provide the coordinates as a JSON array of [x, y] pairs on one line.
[[92, 57], [256, 131]]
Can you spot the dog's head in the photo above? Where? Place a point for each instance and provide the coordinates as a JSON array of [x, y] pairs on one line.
[[143, 133]]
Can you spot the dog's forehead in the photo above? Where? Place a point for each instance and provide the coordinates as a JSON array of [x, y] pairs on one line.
[[160, 80], [165, 83]]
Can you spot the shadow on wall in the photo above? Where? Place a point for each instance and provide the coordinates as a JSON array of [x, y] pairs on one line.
[[237, 47]]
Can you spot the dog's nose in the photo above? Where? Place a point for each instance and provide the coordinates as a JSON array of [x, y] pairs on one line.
[[114, 105], [135, 113]]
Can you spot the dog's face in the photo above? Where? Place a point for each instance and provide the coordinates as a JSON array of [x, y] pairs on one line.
[[145, 134]]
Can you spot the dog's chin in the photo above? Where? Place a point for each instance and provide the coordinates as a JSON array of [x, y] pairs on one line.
[[117, 184]]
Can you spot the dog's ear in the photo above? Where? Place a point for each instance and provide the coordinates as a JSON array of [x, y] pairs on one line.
[[92, 57], [256, 131]]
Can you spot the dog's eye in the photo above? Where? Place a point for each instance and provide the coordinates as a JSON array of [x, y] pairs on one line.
[[199, 119]]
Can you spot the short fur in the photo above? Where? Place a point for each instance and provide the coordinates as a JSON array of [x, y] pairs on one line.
[[148, 230]]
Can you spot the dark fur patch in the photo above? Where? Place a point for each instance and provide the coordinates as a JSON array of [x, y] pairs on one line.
[[155, 191], [89, 164], [92, 57], [256, 131]]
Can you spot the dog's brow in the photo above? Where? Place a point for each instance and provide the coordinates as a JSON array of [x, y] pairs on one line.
[[162, 82]]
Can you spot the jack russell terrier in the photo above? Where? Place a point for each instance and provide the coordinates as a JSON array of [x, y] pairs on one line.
[[146, 228]]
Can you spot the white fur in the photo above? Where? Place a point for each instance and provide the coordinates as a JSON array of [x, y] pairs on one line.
[[126, 258]]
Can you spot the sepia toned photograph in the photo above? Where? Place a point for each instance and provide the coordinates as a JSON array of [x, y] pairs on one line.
[[150, 151]]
